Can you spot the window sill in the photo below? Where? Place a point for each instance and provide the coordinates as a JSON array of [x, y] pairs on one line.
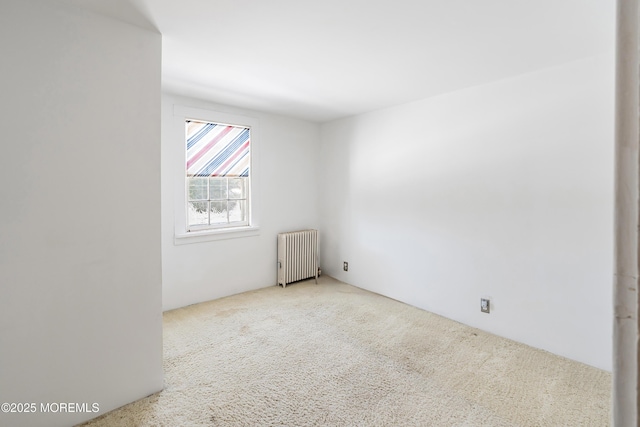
[[212, 235]]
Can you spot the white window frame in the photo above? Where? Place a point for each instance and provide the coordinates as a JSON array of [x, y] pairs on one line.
[[182, 235]]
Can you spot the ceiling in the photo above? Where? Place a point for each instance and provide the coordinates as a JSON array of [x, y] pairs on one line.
[[322, 60]]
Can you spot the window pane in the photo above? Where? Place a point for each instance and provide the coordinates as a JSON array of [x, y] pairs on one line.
[[237, 188], [237, 210], [219, 212], [218, 188], [197, 213], [198, 189]]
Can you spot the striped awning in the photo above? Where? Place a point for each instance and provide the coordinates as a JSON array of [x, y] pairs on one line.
[[217, 149]]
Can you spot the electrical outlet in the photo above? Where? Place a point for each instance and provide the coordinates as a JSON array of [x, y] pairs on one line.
[[345, 266], [485, 305]]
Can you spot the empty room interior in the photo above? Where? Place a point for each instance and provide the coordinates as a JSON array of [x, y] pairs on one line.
[[446, 152]]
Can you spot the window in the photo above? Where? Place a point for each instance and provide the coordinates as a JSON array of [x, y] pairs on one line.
[[212, 165], [218, 165]]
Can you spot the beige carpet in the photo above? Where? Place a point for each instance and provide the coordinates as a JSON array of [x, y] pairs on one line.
[[332, 354]]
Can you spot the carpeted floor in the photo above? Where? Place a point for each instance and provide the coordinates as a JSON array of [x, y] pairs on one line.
[[335, 355]]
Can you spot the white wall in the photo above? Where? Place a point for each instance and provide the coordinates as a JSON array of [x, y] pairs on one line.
[[287, 175], [80, 262], [502, 190]]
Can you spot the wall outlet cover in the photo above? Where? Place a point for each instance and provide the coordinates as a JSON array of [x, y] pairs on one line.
[[485, 305]]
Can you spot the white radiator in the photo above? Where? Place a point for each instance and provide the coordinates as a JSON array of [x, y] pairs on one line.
[[297, 256]]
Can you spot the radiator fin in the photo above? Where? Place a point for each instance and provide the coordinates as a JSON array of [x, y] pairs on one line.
[[297, 256]]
